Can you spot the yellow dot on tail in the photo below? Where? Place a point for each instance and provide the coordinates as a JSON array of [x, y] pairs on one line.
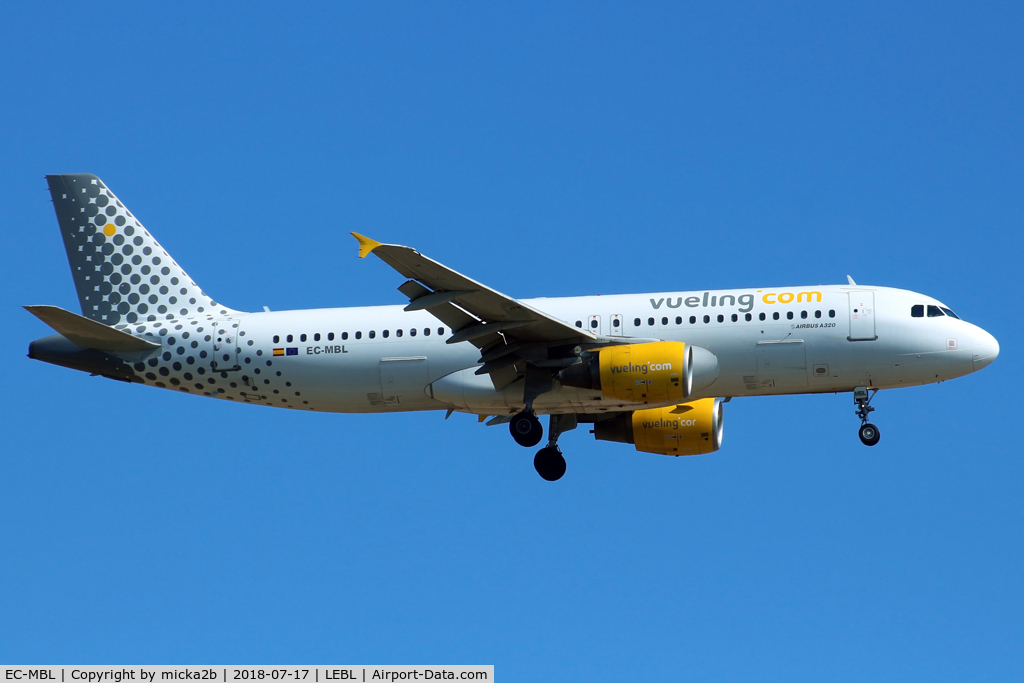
[[109, 229]]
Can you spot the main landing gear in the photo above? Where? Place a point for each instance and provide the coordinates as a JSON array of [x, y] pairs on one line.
[[549, 463], [527, 431], [868, 433]]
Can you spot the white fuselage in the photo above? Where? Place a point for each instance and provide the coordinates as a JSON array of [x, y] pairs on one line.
[[145, 320], [383, 359]]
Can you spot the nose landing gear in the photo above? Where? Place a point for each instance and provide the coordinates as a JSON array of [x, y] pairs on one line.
[[868, 433]]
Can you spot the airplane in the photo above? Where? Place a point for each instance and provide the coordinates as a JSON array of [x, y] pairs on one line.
[[651, 370]]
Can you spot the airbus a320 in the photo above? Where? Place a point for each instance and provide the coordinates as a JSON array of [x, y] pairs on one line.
[[651, 370]]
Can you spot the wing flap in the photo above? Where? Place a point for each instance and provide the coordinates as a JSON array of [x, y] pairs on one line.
[[450, 315]]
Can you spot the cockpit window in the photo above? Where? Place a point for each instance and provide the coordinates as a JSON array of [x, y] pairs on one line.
[[934, 312], [917, 311], [950, 313]]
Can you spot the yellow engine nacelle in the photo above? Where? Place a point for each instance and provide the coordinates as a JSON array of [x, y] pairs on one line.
[[692, 428], [646, 373], [652, 372]]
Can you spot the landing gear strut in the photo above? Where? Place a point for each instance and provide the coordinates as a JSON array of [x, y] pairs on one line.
[[548, 462], [868, 432], [525, 426]]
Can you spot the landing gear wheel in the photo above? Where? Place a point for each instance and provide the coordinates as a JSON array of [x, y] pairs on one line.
[[549, 463], [868, 434], [526, 429]]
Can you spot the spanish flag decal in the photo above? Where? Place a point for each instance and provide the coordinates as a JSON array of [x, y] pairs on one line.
[[278, 352]]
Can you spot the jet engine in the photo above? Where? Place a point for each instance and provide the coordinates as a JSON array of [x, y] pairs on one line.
[[693, 428], [653, 372]]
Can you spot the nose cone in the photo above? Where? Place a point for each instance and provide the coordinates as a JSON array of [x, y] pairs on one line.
[[986, 348]]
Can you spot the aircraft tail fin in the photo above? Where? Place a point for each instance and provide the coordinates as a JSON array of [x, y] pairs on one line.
[[123, 275]]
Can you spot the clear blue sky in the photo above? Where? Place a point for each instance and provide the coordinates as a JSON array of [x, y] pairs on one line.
[[546, 150]]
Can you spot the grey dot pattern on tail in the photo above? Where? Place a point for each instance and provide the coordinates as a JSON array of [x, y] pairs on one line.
[[122, 274], [127, 280]]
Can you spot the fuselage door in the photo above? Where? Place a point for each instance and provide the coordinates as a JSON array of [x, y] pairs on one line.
[[616, 330], [862, 316], [225, 345], [594, 324]]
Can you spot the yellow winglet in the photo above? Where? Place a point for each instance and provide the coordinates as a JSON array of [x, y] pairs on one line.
[[366, 245]]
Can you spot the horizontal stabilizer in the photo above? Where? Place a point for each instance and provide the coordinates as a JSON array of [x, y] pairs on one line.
[[89, 334]]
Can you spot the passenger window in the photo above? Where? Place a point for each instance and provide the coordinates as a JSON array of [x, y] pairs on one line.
[[412, 332], [398, 333], [277, 339], [385, 334], [817, 314], [721, 318], [440, 330], [693, 320], [579, 324], [373, 334], [934, 312], [748, 317], [917, 311], [344, 336], [302, 338], [290, 338], [636, 322], [735, 317], [650, 321], [679, 320], [707, 318], [664, 321], [593, 324], [803, 315], [775, 315], [761, 316], [831, 313], [316, 337], [789, 315], [426, 331], [950, 313], [615, 323], [330, 336], [359, 335]]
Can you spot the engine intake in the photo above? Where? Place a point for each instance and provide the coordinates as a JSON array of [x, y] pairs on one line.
[[692, 428], [653, 372]]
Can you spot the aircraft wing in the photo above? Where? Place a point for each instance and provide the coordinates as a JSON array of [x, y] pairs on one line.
[[490, 312]]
